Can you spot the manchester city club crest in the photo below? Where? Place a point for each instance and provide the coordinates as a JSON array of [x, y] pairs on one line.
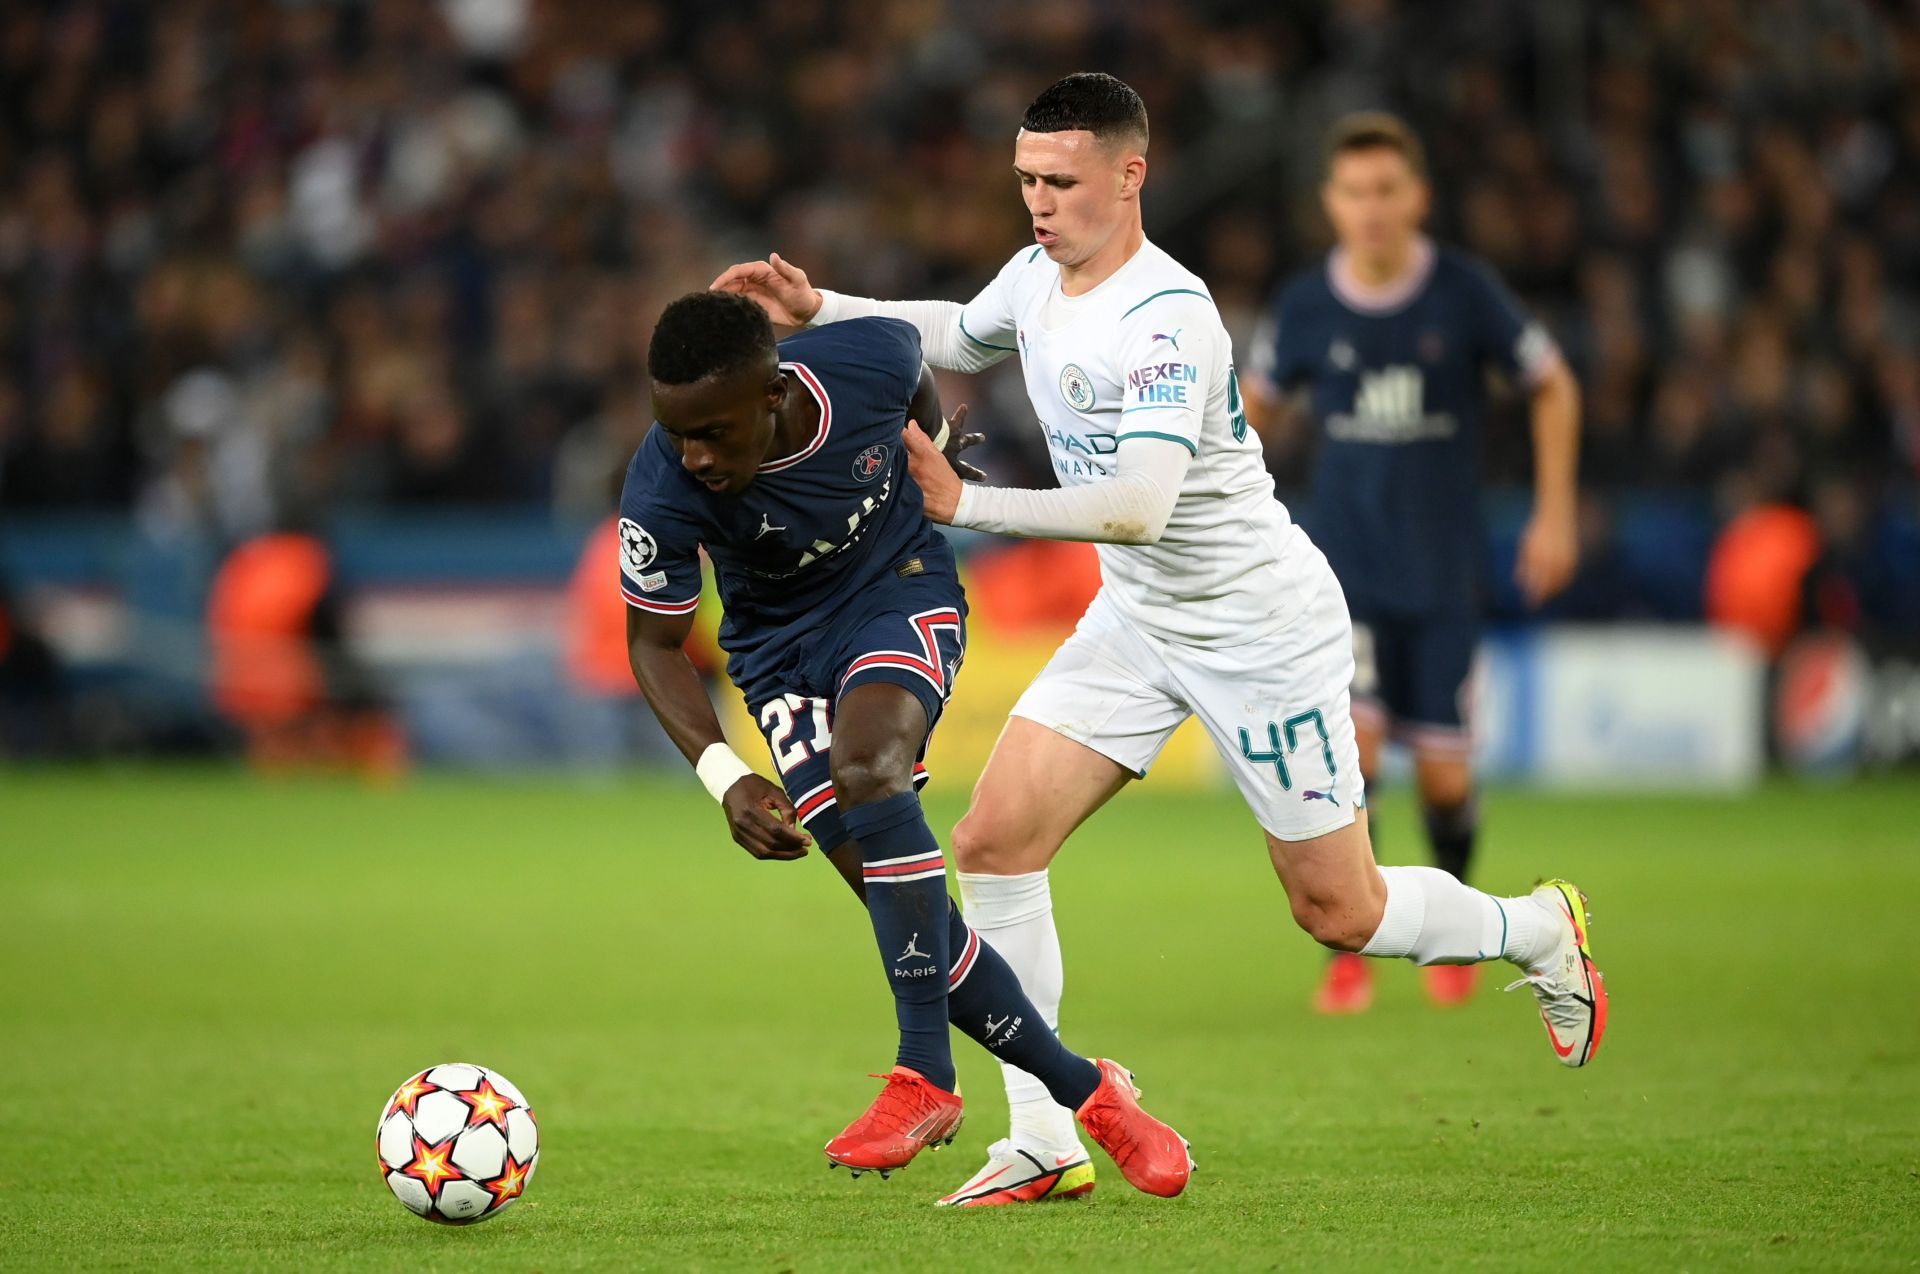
[[637, 549], [868, 464], [1076, 387]]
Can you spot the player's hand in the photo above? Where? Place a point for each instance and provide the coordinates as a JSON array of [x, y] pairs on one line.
[[939, 484], [1549, 552], [780, 288], [763, 820], [958, 441]]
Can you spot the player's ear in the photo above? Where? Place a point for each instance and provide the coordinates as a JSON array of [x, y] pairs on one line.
[[1133, 175], [776, 388]]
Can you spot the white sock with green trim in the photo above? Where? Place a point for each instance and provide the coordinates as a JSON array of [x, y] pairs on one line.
[[1431, 918], [1014, 915]]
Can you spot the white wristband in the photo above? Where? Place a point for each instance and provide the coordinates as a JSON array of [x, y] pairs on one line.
[[719, 768], [940, 439]]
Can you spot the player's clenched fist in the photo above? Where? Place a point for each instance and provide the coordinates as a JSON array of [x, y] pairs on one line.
[[762, 819], [780, 288]]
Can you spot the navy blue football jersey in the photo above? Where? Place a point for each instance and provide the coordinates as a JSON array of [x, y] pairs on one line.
[[1398, 385], [827, 528]]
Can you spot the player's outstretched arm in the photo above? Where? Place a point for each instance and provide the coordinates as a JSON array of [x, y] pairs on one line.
[[1131, 507], [759, 814], [790, 300]]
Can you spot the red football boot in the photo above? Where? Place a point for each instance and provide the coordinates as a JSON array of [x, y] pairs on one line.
[[1450, 985], [909, 1115], [1150, 1155], [1347, 986]]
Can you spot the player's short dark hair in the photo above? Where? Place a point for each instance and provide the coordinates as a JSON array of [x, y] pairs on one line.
[[1375, 130], [1090, 100], [705, 333]]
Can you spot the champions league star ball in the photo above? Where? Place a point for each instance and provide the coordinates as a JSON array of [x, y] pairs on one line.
[[457, 1144]]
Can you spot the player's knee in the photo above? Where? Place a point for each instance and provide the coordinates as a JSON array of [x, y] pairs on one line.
[[1335, 920], [1446, 789], [986, 844], [863, 777]]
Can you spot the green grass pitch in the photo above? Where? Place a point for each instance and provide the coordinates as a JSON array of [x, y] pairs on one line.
[[208, 985]]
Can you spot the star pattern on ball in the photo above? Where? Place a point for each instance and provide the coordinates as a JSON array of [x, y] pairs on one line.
[[511, 1181], [432, 1165], [410, 1094], [486, 1105]]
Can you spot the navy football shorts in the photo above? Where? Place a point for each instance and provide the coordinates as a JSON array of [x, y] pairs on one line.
[[1415, 672], [919, 651]]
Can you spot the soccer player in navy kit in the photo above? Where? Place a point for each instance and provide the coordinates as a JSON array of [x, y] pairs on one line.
[[845, 626], [1391, 337]]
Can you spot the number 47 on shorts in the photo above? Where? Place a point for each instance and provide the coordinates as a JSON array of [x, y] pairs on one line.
[[1288, 732]]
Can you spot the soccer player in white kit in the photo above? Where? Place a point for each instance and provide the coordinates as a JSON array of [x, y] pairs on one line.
[[1213, 604]]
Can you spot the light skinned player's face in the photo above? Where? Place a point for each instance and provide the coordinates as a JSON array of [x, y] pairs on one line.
[[1375, 202], [1078, 190]]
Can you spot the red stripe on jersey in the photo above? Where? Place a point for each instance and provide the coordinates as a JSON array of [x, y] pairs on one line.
[[658, 607], [819, 391], [926, 661]]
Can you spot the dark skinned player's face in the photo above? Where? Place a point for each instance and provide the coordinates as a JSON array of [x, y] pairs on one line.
[[722, 425]]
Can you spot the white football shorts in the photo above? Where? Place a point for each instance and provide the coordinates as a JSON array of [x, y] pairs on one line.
[[1277, 709]]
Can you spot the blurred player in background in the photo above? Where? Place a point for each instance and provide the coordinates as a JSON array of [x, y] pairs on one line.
[[1213, 604], [281, 668], [1391, 337], [845, 626]]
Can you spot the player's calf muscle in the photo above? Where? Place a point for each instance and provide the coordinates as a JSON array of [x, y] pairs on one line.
[[1334, 920], [1334, 890]]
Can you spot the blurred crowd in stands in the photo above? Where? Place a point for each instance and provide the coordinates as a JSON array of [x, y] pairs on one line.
[[264, 260]]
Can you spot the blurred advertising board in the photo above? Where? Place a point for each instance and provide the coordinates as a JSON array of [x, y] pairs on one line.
[[1630, 706], [1841, 705]]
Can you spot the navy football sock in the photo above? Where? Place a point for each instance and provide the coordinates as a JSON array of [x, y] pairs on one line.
[[905, 880], [1451, 831], [987, 1003]]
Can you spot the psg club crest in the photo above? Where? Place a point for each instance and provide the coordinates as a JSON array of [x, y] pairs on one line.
[[868, 464], [1076, 387], [637, 549]]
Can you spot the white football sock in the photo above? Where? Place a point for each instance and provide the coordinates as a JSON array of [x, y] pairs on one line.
[[1014, 915], [1431, 918]]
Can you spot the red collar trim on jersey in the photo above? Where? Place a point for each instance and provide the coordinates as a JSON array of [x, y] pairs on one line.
[[1381, 298], [819, 393]]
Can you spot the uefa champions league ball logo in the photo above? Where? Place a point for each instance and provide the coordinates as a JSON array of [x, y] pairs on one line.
[[637, 549], [1076, 388]]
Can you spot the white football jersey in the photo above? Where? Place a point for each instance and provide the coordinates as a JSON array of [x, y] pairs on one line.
[[1145, 353]]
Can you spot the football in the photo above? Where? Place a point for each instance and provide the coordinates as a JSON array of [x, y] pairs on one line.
[[457, 1143]]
